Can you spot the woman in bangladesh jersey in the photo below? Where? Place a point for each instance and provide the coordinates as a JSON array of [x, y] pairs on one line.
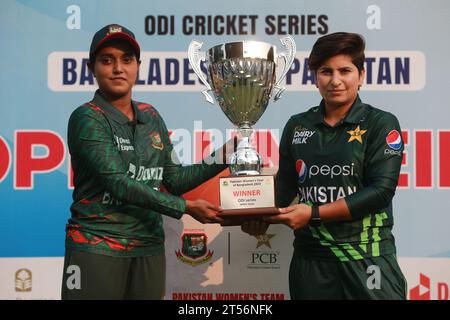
[[121, 157]]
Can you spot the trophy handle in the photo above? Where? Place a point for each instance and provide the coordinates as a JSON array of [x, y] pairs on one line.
[[194, 60], [288, 56]]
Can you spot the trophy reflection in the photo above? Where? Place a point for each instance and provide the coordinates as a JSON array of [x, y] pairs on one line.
[[242, 77]]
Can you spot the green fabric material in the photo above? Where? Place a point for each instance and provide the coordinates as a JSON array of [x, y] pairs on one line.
[[376, 278], [119, 168], [322, 164]]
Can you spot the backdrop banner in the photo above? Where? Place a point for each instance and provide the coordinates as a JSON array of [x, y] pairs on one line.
[[45, 77]]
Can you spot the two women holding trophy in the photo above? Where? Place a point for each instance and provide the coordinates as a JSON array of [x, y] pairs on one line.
[[344, 174]]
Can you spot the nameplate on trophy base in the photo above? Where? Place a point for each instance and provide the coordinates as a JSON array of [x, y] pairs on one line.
[[247, 198]]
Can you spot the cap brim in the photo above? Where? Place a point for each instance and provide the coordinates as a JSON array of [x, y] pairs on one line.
[[119, 35]]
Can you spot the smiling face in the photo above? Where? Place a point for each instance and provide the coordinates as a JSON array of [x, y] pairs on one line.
[[116, 69], [338, 80]]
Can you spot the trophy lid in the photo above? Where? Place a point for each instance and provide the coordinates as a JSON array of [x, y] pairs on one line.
[[242, 49]]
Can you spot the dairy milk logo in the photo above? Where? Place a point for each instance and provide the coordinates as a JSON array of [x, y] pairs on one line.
[[301, 135], [394, 140], [302, 170]]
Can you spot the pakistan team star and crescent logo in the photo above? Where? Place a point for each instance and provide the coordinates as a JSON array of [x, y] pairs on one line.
[[356, 134], [264, 239]]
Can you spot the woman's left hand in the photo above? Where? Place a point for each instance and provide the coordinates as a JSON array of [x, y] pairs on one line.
[[295, 217]]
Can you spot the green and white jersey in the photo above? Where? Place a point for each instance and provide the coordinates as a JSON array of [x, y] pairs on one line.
[[119, 167], [359, 160]]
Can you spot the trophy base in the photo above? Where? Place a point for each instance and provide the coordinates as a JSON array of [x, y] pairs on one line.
[[235, 217], [245, 198]]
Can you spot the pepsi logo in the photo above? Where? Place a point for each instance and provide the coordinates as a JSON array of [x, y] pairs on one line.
[[302, 170], [394, 140]]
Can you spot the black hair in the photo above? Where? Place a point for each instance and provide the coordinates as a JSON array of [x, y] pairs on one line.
[[333, 44]]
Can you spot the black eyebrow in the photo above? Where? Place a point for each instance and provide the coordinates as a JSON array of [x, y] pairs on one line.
[[109, 55], [325, 68]]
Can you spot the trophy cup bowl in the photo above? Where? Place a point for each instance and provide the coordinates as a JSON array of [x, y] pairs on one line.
[[242, 77]]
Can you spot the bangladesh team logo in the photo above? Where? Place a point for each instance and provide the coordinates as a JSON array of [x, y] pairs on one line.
[[194, 250], [394, 140], [115, 28], [302, 170], [156, 141]]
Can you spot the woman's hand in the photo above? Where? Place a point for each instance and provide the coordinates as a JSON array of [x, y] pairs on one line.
[[203, 211], [295, 217], [255, 227]]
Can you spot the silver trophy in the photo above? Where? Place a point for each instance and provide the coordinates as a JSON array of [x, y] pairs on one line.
[[242, 76]]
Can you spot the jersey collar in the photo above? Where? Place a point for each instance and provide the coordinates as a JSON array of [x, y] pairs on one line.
[[355, 115], [115, 114], [357, 112]]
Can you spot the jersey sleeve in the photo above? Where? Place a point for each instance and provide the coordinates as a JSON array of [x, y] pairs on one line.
[[91, 142], [286, 180], [381, 168], [179, 179]]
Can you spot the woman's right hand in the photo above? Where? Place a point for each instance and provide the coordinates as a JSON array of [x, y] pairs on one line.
[[255, 227], [203, 211]]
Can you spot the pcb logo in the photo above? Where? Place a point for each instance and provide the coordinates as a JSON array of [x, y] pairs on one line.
[[194, 250], [23, 280]]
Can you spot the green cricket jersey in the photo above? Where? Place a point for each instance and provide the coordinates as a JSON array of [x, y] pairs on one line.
[[359, 159], [119, 167]]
